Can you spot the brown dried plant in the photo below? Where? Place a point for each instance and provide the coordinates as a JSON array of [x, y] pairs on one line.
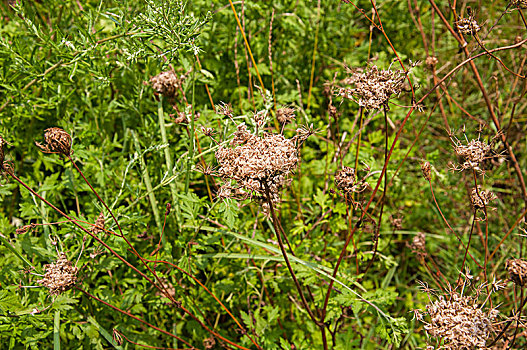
[[371, 88], [459, 320], [60, 275], [517, 269], [57, 141], [168, 84]]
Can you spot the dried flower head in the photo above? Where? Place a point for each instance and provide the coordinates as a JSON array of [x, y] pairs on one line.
[[480, 198], [372, 87], [418, 243], [473, 152], [426, 168], [519, 4], [467, 26], [57, 141], [259, 164], [285, 115], [459, 320], [99, 224], [431, 61], [517, 269], [167, 83], [303, 132], [208, 131], [346, 181], [60, 275]]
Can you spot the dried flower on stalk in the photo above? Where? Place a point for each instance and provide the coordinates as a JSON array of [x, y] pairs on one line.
[[60, 275], [519, 4], [256, 164], [480, 198], [57, 141], [474, 152], [426, 168], [419, 244], [167, 83], [99, 225], [517, 269], [467, 26], [460, 320], [372, 87], [346, 181], [431, 61], [285, 115]]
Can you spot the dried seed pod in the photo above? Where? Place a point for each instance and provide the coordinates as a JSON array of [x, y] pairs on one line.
[[480, 198], [467, 26], [418, 243], [167, 84], [426, 168], [285, 115], [99, 225], [57, 141], [517, 269], [60, 275]]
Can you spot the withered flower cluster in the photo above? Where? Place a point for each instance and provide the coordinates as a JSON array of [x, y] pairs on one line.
[[257, 163], [418, 244], [60, 275], [519, 4], [467, 26], [167, 83], [99, 225], [285, 115], [57, 141], [372, 88], [346, 181], [480, 198], [474, 152], [517, 269], [460, 322]]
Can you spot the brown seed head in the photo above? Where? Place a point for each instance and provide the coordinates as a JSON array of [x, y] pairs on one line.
[[99, 224], [285, 115], [346, 181], [431, 61], [474, 152], [167, 84], [57, 141], [480, 198], [60, 275], [426, 168], [519, 4], [467, 26], [517, 269], [460, 322], [418, 243], [372, 87]]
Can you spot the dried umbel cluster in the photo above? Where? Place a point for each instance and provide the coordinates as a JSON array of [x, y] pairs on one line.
[[426, 169], [517, 269], [418, 243], [480, 198], [257, 163], [431, 61], [167, 83], [347, 182], [373, 88], [519, 4], [285, 115], [467, 26], [60, 275], [99, 224], [474, 152], [57, 141], [460, 322]]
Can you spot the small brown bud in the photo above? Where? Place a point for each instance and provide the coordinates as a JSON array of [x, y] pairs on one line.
[[426, 168]]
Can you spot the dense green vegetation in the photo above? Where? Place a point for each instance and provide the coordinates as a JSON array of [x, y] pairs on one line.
[[302, 176]]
